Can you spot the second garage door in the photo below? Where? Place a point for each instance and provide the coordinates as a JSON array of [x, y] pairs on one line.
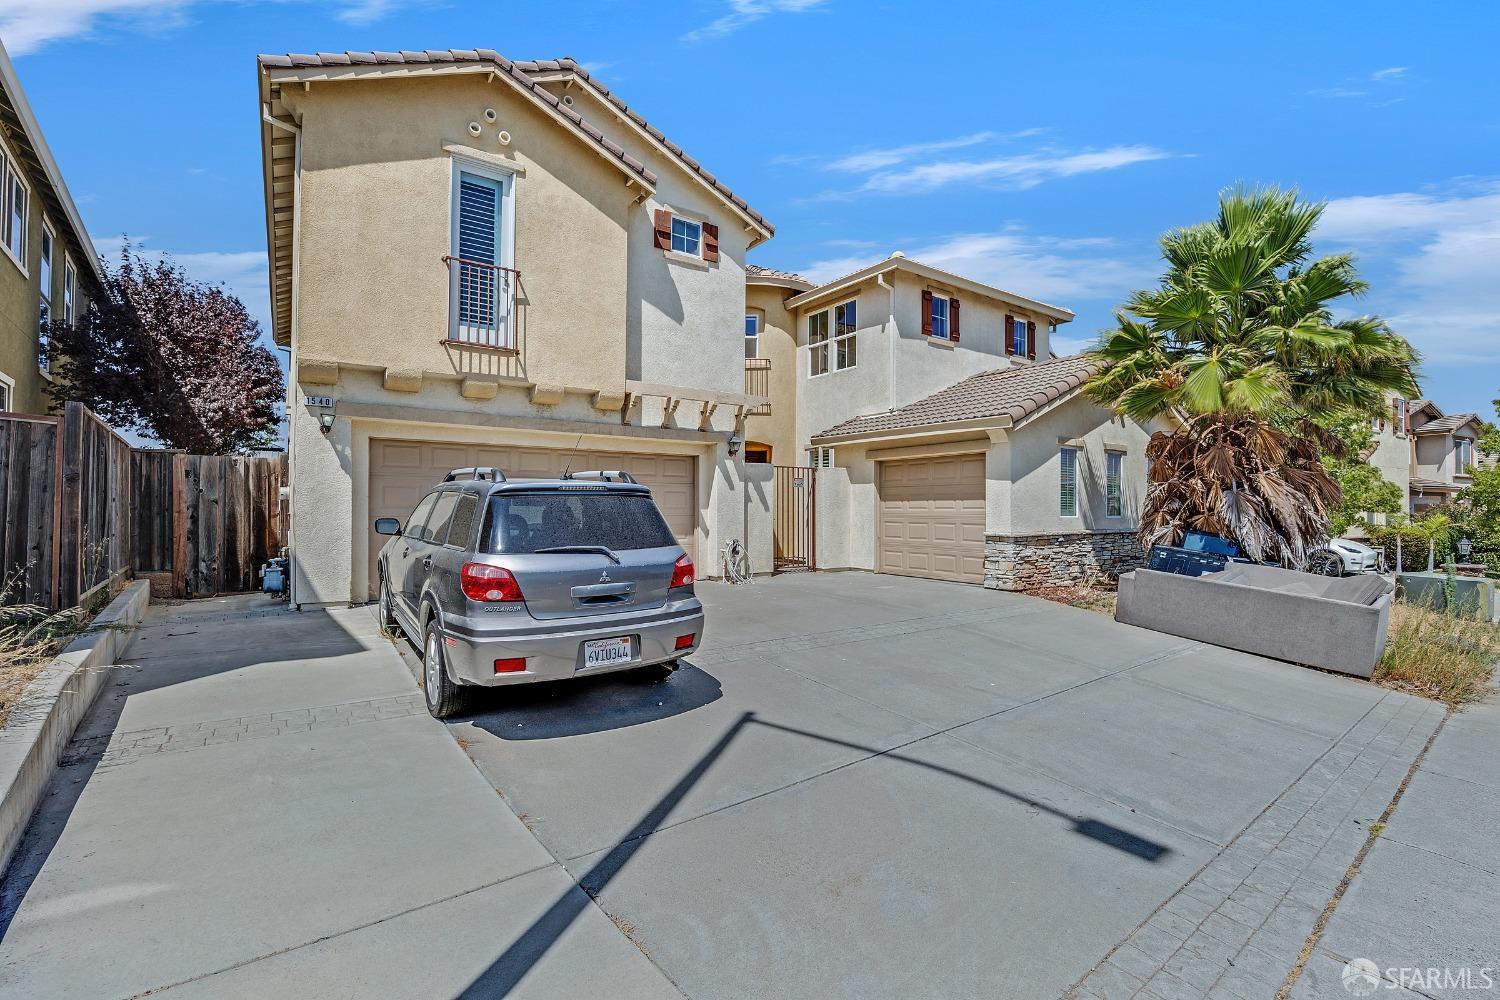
[[402, 472], [931, 521]]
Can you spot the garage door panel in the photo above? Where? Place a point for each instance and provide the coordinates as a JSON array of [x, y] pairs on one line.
[[402, 472], [931, 520]]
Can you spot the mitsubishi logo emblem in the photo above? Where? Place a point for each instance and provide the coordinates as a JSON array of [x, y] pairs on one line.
[[604, 577]]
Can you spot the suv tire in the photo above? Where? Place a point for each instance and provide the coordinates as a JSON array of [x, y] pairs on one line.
[[444, 698], [385, 611]]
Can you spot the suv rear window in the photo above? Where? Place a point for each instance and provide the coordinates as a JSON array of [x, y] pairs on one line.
[[526, 522]]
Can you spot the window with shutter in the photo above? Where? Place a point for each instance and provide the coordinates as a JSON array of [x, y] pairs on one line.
[[1114, 462], [1067, 505], [1008, 335], [481, 282], [939, 318]]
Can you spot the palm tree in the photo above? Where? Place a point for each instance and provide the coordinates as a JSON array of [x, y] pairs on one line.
[[1240, 343]]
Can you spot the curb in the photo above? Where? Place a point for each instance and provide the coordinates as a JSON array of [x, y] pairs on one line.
[[51, 707]]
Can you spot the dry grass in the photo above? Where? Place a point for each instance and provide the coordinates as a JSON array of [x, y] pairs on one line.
[[29, 638], [1088, 596], [1437, 654]]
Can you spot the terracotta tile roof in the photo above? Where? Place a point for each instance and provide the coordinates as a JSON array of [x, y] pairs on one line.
[[522, 71], [1014, 392], [1444, 425], [756, 271]]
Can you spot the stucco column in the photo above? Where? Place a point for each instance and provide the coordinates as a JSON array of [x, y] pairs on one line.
[[997, 484], [321, 504]]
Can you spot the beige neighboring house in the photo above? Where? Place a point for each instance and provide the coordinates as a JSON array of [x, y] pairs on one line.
[[481, 261], [1444, 449], [949, 443], [771, 370], [48, 267]]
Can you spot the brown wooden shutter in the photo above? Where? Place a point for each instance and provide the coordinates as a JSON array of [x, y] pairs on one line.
[[953, 320], [1031, 340], [1007, 336], [663, 229], [710, 241], [926, 312], [1396, 416]]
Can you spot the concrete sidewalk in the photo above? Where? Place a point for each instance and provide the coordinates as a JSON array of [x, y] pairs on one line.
[[1423, 906], [259, 805]]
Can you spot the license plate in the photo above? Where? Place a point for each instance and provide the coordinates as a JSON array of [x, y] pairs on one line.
[[603, 652]]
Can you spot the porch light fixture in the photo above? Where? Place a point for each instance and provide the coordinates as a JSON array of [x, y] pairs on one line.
[[735, 441], [325, 420]]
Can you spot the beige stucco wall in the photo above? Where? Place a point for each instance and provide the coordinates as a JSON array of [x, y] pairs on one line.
[[778, 345], [1393, 455], [1022, 473], [889, 340], [374, 224]]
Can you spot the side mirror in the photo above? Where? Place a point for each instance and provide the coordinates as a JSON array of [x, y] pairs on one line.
[[387, 526]]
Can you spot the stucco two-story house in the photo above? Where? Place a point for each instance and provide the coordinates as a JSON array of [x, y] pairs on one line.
[[49, 271], [948, 442], [483, 261], [1425, 452]]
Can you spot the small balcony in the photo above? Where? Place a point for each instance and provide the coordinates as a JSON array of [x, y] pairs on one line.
[[758, 383], [482, 304]]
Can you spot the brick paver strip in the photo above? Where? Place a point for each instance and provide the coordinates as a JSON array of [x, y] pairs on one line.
[[128, 747], [1236, 928]]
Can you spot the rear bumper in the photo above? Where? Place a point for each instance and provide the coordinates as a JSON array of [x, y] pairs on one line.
[[557, 655]]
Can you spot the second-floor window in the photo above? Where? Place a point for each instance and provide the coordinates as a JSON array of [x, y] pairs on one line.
[[1018, 337], [44, 308], [940, 317], [481, 283], [70, 291], [687, 236], [1463, 453], [817, 344], [14, 200], [845, 322], [752, 335]]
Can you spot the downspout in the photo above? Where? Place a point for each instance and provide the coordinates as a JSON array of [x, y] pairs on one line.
[[291, 395], [890, 320]]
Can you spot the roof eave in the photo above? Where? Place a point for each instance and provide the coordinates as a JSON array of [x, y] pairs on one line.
[[889, 264], [771, 281], [1002, 422]]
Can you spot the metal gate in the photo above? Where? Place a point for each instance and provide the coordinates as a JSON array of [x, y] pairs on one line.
[[796, 543]]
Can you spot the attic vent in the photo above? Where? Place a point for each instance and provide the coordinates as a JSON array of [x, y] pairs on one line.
[[568, 100], [490, 116]]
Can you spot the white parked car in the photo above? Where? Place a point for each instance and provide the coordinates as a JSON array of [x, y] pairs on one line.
[[1343, 556]]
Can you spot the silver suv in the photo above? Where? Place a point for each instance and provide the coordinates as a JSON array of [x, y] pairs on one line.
[[511, 582]]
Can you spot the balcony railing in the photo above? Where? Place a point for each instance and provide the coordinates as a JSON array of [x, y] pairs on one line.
[[482, 304], [758, 383]]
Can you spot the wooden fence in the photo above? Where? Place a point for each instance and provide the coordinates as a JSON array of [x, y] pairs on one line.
[[80, 507]]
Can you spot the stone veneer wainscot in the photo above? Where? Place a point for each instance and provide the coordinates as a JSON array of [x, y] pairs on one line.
[[1023, 562]]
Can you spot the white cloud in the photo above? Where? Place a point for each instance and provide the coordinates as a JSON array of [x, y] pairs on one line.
[[875, 159], [28, 25], [1388, 74], [1444, 253], [1016, 172], [743, 12], [1053, 269]]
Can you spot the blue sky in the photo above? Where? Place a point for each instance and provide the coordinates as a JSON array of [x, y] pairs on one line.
[[1040, 147]]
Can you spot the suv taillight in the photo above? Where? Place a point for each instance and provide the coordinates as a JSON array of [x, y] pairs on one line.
[[682, 572], [486, 583]]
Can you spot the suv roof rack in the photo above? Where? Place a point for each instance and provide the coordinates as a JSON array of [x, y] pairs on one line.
[[479, 472], [603, 475]]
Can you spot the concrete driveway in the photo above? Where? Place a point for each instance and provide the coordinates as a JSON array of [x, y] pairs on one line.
[[862, 786]]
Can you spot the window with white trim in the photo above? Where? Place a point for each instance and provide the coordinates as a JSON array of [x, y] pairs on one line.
[[44, 306], [1067, 498], [845, 322], [1463, 452], [70, 291], [7, 393], [687, 236], [940, 317], [820, 458], [482, 284], [817, 344], [1114, 462], [752, 335], [15, 200]]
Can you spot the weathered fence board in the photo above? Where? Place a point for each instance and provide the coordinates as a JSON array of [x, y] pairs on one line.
[[79, 507]]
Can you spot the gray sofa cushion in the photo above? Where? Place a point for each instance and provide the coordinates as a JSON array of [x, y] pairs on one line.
[[1366, 589]]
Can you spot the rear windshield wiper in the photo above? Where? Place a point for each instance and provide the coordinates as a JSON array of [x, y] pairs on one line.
[[602, 550]]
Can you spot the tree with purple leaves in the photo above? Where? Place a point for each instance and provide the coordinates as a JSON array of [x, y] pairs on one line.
[[174, 359]]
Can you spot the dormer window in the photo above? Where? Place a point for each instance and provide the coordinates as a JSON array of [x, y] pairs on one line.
[[939, 317], [681, 237]]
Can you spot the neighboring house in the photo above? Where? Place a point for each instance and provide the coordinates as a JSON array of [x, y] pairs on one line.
[[950, 443], [1443, 453], [480, 261], [771, 365], [48, 268]]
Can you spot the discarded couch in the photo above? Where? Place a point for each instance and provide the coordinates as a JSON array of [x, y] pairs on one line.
[[1336, 623]]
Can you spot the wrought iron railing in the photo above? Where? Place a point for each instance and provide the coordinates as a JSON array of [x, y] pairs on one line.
[[758, 383], [482, 304]]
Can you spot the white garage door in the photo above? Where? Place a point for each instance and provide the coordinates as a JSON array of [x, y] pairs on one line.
[[931, 521], [402, 472]]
